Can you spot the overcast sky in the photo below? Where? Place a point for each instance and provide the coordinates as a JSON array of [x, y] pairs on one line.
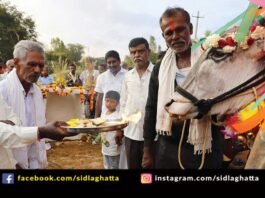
[[102, 25]]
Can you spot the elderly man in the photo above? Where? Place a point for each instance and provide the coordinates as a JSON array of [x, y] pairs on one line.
[[170, 153], [15, 136], [25, 98]]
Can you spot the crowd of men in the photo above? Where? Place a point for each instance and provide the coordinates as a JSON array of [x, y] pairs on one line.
[[146, 88]]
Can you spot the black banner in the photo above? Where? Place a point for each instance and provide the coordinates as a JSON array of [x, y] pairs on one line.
[[127, 180]]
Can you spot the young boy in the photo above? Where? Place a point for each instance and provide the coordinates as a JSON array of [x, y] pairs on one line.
[[110, 150]]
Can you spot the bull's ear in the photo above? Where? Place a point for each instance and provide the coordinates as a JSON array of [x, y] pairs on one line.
[[217, 55]]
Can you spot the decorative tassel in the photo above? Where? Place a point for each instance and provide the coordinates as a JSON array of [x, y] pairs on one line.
[[228, 132]]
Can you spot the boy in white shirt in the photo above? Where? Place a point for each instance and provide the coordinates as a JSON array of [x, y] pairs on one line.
[[110, 150]]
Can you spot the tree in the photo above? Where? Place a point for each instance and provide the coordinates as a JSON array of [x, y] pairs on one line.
[[153, 57], [153, 48], [152, 44], [14, 26], [74, 52], [58, 48], [56, 57], [129, 62], [60, 55]]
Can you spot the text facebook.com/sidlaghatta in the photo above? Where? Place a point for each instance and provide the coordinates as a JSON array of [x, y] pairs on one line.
[[74, 178]]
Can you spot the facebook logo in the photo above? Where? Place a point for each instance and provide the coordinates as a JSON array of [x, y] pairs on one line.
[[8, 178]]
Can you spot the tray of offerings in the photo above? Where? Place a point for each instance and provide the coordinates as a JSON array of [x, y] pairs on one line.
[[95, 125]]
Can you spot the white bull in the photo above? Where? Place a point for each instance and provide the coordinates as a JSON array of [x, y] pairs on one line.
[[217, 72]]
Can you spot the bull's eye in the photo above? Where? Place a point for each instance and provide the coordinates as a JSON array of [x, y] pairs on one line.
[[217, 55]]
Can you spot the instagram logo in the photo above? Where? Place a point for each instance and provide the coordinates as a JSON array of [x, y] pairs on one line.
[[146, 178]]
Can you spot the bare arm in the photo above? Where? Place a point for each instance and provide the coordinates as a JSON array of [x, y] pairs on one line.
[[98, 104], [16, 136]]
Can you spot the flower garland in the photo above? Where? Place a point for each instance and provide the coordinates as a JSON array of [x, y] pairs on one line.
[[91, 100], [61, 91], [81, 91], [45, 89], [228, 43]]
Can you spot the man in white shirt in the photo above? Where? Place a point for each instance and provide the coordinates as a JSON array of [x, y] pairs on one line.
[[133, 99], [25, 98], [111, 80], [15, 136]]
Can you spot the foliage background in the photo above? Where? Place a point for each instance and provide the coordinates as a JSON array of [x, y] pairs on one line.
[[15, 26]]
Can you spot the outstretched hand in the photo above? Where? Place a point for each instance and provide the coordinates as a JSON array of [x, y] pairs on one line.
[[54, 130]]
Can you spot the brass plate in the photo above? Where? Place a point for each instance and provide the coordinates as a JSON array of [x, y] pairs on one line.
[[105, 127]]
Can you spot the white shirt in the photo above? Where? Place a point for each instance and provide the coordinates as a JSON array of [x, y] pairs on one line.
[[12, 136], [113, 149], [30, 109], [182, 74], [133, 99], [31, 121], [108, 82]]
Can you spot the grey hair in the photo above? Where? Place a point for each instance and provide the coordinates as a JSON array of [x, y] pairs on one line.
[[24, 46]]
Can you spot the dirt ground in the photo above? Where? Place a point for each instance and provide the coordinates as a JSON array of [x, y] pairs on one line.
[[75, 154]]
